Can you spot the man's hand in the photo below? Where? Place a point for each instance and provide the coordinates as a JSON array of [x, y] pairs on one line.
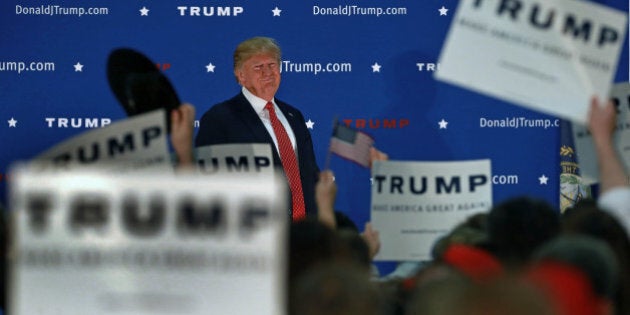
[[602, 121]]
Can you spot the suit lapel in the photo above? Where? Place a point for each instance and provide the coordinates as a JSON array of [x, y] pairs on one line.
[[251, 120], [292, 118]]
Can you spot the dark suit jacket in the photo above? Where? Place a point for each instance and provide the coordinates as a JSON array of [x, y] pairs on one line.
[[235, 121]]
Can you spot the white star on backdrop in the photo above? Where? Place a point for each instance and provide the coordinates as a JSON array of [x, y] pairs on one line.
[[376, 67], [543, 179], [144, 11], [12, 122], [78, 67], [210, 67], [442, 123], [310, 124], [443, 10], [276, 11]]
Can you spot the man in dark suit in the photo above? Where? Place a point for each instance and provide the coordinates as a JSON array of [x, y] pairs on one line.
[[255, 116]]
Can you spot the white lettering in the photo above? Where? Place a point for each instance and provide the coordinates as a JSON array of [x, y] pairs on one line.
[[428, 66], [76, 122], [209, 11]]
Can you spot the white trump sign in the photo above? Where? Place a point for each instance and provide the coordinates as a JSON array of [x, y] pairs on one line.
[[87, 242], [551, 56], [135, 143], [415, 203], [245, 158]]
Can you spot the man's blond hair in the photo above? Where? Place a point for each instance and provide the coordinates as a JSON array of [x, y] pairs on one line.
[[255, 46]]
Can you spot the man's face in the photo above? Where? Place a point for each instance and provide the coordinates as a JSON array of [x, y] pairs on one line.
[[260, 74]]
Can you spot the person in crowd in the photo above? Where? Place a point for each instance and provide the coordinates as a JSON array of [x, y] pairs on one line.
[[474, 262], [518, 226], [255, 115], [614, 196], [352, 240], [566, 287], [586, 218], [444, 289], [313, 244], [614, 189], [459, 260], [310, 243], [326, 193], [472, 231], [594, 258], [336, 289]]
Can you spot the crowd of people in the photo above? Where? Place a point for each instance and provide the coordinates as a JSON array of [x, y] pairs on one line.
[[522, 256]]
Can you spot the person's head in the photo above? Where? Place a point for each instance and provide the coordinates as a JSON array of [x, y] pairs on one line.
[[587, 219], [566, 287], [311, 243], [593, 257], [472, 231], [335, 289], [455, 295], [344, 222], [257, 66], [351, 248], [518, 226]]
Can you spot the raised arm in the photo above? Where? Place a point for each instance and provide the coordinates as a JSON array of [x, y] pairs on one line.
[[614, 189]]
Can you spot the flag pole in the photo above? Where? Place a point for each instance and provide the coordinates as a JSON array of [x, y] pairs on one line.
[[327, 165]]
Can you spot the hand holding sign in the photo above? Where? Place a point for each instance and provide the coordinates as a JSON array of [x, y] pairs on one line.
[[604, 120], [415, 202]]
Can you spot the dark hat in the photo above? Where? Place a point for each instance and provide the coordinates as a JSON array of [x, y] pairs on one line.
[[138, 84]]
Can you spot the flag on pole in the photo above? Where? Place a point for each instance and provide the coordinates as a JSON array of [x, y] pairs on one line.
[[572, 187], [351, 144]]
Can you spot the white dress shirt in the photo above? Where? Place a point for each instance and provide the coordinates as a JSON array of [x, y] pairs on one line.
[[259, 106]]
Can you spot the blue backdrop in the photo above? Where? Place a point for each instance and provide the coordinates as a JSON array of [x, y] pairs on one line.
[[376, 74]]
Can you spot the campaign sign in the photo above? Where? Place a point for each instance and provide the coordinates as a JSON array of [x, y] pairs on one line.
[[550, 56], [248, 158], [135, 143], [585, 149], [415, 203], [87, 242]]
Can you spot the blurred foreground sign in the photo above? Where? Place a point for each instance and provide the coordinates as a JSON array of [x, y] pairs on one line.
[[91, 243], [415, 203], [551, 56]]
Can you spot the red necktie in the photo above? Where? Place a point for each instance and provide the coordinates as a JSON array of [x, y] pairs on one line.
[[289, 163]]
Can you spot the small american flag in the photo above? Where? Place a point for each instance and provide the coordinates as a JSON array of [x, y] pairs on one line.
[[351, 144]]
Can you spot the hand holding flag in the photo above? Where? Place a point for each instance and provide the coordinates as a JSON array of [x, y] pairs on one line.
[[352, 145]]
